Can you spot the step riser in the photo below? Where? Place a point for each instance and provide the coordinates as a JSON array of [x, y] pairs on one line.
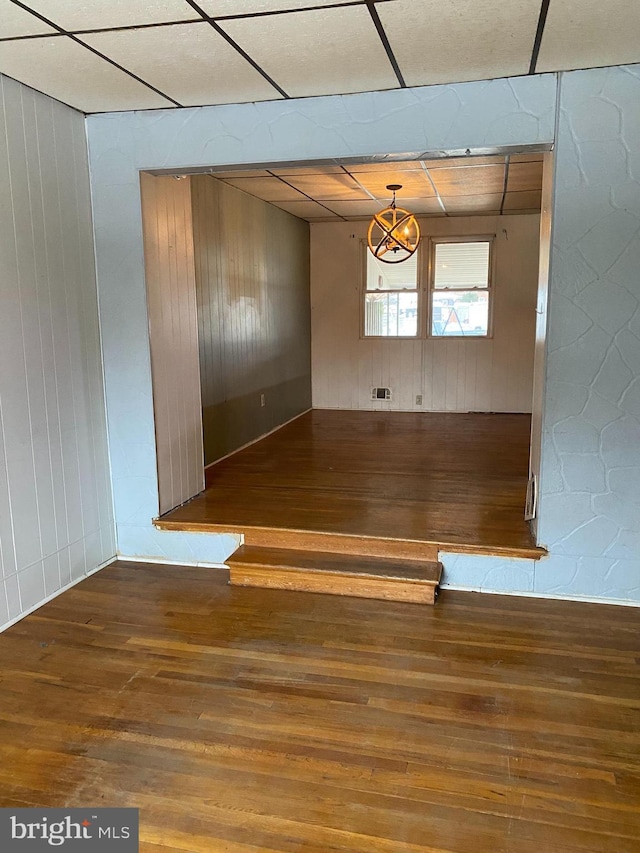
[[386, 589], [357, 546], [303, 540]]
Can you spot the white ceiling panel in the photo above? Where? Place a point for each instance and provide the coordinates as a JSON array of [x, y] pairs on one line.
[[326, 187], [590, 33], [414, 183], [319, 52], [14, 21], [304, 209], [436, 42], [269, 189], [248, 7], [63, 69], [355, 208], [84, 15], [188, 62]]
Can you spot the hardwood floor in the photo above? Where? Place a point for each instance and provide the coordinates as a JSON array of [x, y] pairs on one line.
[[456, 480], [244, 720]]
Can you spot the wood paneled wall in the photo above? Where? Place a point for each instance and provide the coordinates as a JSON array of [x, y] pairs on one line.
[[173, 335], [455, 374], [252, 275], [56, 513]]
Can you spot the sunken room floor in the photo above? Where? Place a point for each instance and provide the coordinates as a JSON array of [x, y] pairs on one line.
[[243, 720]]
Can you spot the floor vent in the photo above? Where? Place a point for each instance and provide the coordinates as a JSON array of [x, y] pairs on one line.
[[381, 393]]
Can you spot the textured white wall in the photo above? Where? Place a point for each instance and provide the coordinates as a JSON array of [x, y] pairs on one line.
[[590, 485], [56, 518], [519, 111], [452, 374]]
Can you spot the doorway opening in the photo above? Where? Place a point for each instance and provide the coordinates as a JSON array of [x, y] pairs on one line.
[[286, 315]]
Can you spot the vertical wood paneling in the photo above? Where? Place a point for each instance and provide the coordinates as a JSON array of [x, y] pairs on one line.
[[56, 516], [173, 335], [252, 276], [453, 374]]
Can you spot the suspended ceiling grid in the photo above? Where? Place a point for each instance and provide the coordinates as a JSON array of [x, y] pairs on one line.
[[446, 187], [146, 54]]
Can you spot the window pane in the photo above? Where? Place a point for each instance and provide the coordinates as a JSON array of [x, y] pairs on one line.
[[402, 276], [460, 314], [391, 314], [461, 265]]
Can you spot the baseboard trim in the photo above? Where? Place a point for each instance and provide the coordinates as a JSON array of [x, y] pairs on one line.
[[619, 602], [165, 562], [55, 594]]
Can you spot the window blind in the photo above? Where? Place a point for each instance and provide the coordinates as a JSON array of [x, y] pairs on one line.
[[461, 266]]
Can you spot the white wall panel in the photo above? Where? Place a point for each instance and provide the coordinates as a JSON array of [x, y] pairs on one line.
[[56, 516], [173, 337], [452, 374]]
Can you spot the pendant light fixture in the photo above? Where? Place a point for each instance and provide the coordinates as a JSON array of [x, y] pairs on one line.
[[394, 233]]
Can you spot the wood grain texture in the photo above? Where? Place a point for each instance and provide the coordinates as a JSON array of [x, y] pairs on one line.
[[335, 574], [245, 720], [173, 337], [413, 483], [451, 374], [254, 327]]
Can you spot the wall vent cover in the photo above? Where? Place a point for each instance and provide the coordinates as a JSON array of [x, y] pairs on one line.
[[381, 393]]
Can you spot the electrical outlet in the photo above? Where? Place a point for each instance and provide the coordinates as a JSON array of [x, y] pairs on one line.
[[418, 399], [262, 400]]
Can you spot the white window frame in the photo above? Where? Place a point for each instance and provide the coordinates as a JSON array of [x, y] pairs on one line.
[[489, 289], [419, 291]]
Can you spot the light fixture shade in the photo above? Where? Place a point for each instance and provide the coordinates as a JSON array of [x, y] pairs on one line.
[[394, 233]]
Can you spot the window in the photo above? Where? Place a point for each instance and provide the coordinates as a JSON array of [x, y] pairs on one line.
[[460, 287], [391, 298]]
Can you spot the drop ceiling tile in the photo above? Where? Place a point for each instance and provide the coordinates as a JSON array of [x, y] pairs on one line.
[[437, 42], [304, 209], [284, 171], [423, 205], [403, 166], [60, 67], [459, 205], [319, 52], [14, 21], [590, 33], [269, 189], [355, 208], [413, 184], [189, 62], [470, 180], [72, 15], [524, 176], [464, 162], [249, 7], [523, 201], [242, 173], [325, 187]]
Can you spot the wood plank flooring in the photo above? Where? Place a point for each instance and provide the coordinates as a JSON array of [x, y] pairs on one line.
[[456, 480], [244, 720]]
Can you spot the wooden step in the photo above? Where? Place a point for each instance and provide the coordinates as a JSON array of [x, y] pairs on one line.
[[335, 574], [311, 540]]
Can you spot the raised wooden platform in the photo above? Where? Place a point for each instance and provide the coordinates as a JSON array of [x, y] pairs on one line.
[[394, 485], [316, 571]]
